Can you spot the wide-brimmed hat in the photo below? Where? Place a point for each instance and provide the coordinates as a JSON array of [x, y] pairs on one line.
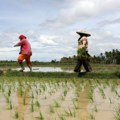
[[82, 32]]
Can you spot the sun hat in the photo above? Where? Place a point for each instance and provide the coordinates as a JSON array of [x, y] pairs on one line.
[[22, 37], [82, 32]]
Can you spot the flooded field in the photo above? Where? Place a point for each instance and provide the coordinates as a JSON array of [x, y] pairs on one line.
[[56, 99], [46, 69]]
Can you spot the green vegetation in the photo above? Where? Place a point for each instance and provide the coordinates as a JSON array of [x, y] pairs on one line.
[[59, 95], [117, 114]]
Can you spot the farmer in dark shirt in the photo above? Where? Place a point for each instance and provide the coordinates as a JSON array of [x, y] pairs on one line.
[[82, 53]]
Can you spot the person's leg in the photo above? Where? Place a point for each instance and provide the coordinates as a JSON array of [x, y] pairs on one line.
[[29, 64], [78, 66], [20, 60], [87, 65]]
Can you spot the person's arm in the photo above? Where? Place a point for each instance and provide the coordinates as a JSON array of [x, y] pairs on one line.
[[15, 45], [82, 44], [18, 44]]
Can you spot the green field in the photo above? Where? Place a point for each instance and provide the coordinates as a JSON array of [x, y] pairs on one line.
[[60, 95]]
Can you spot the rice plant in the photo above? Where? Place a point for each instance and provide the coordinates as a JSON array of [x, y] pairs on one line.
[[32, 106], [24, 100], [92, 117], [56, 104], [16, 115], [69, 112], [7, 98], [62, 98], [65, 92], [117, 114], [75, 105], [90, 96], [9, 91], [20, 91], [40, 117], [61, 117], [32, 95], [102, 93], [110, 100], [95, 109], [51, 109], [37, 104], [10, 107]]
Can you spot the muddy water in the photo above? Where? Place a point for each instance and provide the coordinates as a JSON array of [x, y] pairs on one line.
[[45, 69], [57, 101], [23, 102], [104, 106]]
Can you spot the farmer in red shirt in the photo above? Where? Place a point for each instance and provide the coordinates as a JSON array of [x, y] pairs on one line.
[[25, 52]]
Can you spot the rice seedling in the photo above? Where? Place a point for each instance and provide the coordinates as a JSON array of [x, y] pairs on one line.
[[92, 117], [43, 87], [102, 93], [62, 98], [16, 114], [51, 109], [36, 92], [110, 100], [117, 114], [113, 87], [95, 109], [98, 82], [40, 117], [75, 105], [116, 92], [61, 117], [77, 94], [0, 87], [7, 98], [90, 96], [20, 91], [32, 106], [10, 107], [56, 104], [50, 93], [69, 112], [45, 97], [107, 82], [24, 100], [65, 93], [32, 96], [3, 88], [9, 91], [37, 104]]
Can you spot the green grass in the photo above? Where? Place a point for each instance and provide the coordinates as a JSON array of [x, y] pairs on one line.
[[94, 75], [37, 84]]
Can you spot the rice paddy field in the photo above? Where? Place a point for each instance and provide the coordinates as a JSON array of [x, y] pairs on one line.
[[60, 95]]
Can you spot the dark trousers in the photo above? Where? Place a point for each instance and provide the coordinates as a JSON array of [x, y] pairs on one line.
[[85, 63]]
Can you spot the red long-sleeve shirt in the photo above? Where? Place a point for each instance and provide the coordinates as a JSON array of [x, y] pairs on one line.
[[25, 47]]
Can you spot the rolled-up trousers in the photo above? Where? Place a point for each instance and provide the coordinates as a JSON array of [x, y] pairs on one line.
[[85, 63], [21, 57]]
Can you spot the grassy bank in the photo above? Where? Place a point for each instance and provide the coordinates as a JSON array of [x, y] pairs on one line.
[[92, 75]]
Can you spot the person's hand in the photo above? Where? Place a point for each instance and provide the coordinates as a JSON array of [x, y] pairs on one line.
[[15, 45]]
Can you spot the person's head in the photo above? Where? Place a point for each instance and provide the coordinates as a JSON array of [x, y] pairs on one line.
[[21, 37]]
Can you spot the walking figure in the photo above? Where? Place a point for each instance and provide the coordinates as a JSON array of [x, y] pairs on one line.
[[25, 52], [82, 53]]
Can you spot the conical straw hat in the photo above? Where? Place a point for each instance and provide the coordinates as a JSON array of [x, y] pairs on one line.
[[82, 32]]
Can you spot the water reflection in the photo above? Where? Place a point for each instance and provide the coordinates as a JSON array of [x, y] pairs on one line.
[[46, 69]]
